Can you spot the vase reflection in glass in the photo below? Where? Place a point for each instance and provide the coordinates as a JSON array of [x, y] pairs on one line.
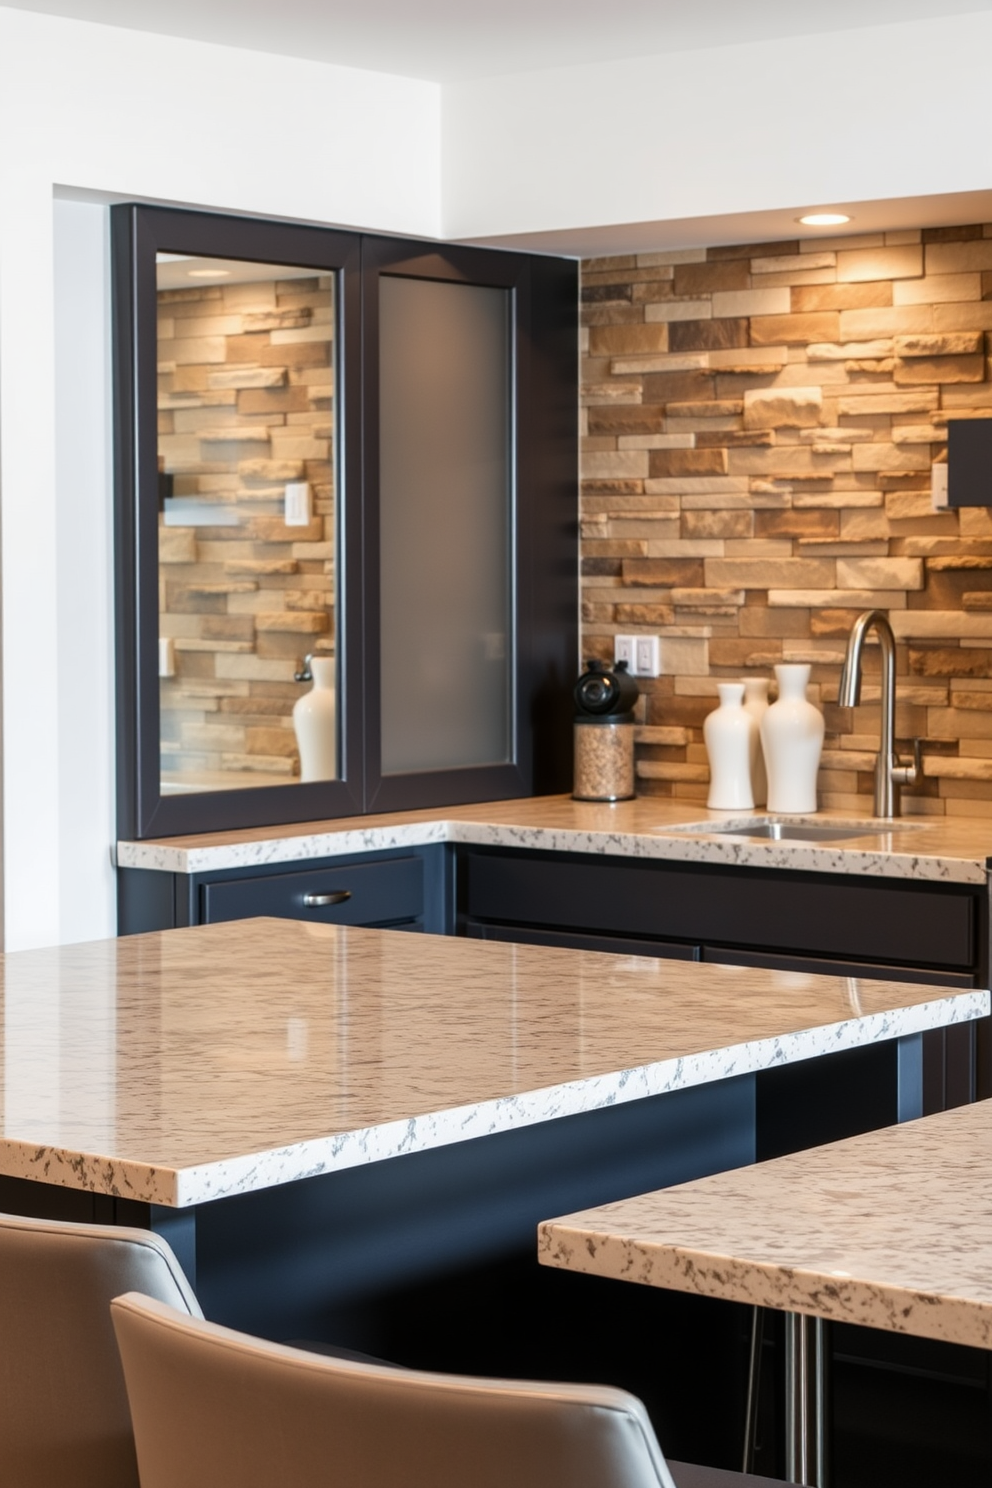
[[792, 740], [315, 723]]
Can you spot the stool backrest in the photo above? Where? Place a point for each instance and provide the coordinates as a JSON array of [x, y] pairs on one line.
[[64, 1420], [215, 1409]]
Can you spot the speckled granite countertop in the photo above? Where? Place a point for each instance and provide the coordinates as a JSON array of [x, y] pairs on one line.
[[921, 848], [890, 1230], [188, 1065]]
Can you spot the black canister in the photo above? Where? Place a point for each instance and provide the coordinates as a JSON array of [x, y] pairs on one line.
[[604, 733]]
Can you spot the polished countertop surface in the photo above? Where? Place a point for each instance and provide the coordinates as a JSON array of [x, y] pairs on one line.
[[186, 1065], [889, 1230], [938, 849]]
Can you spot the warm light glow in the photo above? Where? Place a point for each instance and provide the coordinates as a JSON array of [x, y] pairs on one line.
[[824, 219], [208, 273]]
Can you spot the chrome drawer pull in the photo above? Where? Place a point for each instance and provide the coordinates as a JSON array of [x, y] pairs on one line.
[[320, 901]]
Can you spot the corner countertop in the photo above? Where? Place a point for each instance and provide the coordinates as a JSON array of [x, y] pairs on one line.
[[188, 1065], [886, 1230], [920, 848]]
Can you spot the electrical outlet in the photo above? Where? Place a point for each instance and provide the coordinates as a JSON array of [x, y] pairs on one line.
[[297, 504], [624, 650], [646, 656]]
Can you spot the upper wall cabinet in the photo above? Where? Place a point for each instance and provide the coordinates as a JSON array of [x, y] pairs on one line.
[[346, 522]]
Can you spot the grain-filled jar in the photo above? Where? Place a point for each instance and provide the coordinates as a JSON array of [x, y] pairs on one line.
[[604, 733]]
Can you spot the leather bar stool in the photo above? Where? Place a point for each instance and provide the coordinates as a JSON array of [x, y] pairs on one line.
[[213, 1408]]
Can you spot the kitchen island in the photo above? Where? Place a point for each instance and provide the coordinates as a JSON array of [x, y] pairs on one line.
[[353, 1134]]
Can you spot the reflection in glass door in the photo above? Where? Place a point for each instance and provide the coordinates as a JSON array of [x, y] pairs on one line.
[[247, 523]]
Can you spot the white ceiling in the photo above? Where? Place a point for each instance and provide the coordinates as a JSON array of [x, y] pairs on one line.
[[446, 40]]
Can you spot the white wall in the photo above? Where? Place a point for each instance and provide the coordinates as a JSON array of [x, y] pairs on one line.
[[130, 115], [126, 115], [882, 112]]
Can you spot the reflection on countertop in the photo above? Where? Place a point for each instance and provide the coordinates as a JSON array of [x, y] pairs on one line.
[[187, 1065]]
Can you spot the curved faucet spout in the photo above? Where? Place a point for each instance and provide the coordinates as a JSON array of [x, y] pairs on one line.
[[888, 771]]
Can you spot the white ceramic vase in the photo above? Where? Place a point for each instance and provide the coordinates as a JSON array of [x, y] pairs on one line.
[[756, 703], [792, 739], [729, 732], [314, 720]]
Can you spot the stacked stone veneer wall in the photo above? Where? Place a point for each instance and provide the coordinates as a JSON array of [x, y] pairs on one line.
[[760, 424], [245, 405]]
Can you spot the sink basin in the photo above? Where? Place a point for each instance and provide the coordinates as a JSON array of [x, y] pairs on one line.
[[770, 829]]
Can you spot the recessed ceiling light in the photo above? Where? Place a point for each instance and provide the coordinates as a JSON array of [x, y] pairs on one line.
[[209, 273], [824, 219]]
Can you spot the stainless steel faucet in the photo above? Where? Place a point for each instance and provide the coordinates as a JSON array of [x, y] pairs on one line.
[[889, 773]]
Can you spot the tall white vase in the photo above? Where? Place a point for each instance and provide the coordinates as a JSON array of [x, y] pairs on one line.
[[756, 703], [314, 722], [730, 732], [792, 739]]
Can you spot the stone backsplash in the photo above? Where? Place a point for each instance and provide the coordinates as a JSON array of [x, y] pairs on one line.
[[246, 404], [759, 425]]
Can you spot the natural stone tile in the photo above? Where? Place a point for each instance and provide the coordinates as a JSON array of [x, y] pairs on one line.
[[861, 599], [794, 277], [716, 409], [977, 599], [670, 463], [658, 441], [663, 572], [795, 330], [669, 256], [860, 526], [783, 262], [945, 344], [855, 404], [763, 573], [841, 297], [745, 653], [937, 289], [782, 408], [796, 524], [627, 418], [717, 523], [941, 624], [618, 340], [851, 350], [623, 464], [873, 457], [721, 438], [596, 393], [690, 485], [963, 317], [836, 436], [675, 387], [679, 310], [874, 324], [752, 302], [706, 278], [683, 362], [644, 614], [242, 377], [861, 264], [959, 258], [939, 369], [879, 573], [700, 598], [707, 335]]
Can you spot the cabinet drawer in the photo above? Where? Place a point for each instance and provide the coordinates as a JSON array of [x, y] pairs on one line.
[[376, 894], [613, 945], [809, 914]]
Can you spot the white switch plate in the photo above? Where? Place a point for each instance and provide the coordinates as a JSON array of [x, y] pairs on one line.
[[297, 512], [938, 486], [623, 650], [647, 656]]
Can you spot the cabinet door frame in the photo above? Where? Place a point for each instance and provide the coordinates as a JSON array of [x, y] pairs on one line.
[[138, 234], [510, 272]]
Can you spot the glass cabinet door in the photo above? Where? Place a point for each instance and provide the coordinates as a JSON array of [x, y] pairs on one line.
[[445, 524], [246, 524], [239, 531]]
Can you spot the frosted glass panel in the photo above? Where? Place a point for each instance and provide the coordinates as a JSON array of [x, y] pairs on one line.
[[445, 514]]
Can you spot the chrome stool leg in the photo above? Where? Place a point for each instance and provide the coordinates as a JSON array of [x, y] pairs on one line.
[[753, 1387], [806, 1389]]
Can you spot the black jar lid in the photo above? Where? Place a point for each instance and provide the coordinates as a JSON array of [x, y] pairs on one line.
[[603, 695]]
